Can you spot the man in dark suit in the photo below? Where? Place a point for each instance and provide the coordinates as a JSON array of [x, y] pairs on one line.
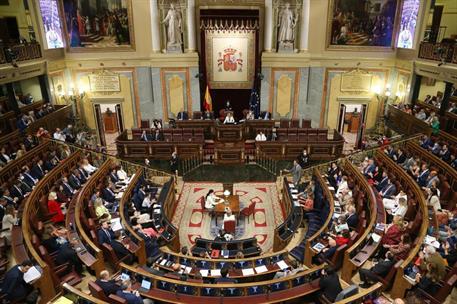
[[370, 169], [330, 284], [29, 142], [426, 142], [22, 123], [2, 208], [265, 115], [223, 278], [423, 175], [108, 195], [352, 219], [389, 190], [381, 269], [83, 174], [105, 234], [16, 191], [5, 157], [5, 194], [182, 115], [113, 176], [74, 181], [67, 189], [27, 177], [158, 136], [208, 115], [108, 286], [15, 288], [383, 182], [132, 296], [303, 159], [121, 249], [37, 170], [399, 157]]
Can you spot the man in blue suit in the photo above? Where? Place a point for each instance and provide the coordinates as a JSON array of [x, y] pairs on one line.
[[108, 194], [108, 286], [426, 142], [15, 288], [383, 182], [27, 177], [105, 234], [389, 190], [22, 123], [37, 170], [423, 175], [132, 296]]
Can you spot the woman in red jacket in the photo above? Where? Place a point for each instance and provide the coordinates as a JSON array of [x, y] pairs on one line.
[[54, 208], [392, 236]]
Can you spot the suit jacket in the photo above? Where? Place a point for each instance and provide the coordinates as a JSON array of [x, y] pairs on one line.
[[158, 137], [383, 267], [352, 220], [382, 183], [74, 182], [26, 188], [47, 165], [422, 178], [427, 143], [67, 189], [108, 196], [330, 286], [130, 297], [113, 177], [103, 237], [37, 171], [108, 287], [119, 249], [28, 143], [14, 285], [2, 212], [401, 159], [21, 125], [389, 190], [17, 192], [83, 175], [369, 169], [183, 116], [4, 159]]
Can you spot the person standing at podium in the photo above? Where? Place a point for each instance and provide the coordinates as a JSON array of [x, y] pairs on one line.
[[228, 106]]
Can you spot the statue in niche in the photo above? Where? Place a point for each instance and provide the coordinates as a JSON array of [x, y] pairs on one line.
[[287, 21], [173, 23]]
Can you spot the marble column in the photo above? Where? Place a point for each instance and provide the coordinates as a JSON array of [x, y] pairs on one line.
[[304, 25], [191, 43], [268, 35], [155, 30]]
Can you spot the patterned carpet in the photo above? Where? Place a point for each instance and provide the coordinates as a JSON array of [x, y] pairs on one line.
[[193, 223]]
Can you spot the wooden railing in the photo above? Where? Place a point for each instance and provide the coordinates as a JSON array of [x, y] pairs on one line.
[[438, 52], [292, 287], [46, 285], [401, 284], [23, 52], [309, 252], [81, 297], [371, 293], [124, 202]]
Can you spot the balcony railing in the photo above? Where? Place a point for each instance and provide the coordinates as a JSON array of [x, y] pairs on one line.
[[23, 52], [446, 52]]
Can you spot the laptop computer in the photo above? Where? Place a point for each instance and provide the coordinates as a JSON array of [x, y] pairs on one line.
[[145, 286]]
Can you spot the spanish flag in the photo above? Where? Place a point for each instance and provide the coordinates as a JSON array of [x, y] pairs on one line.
[[208, 101]]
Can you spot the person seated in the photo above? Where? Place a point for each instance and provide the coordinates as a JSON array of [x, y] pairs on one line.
[[370, 276], [224, 276], [121, 174], [64, 152], [42, 133], [335, 241], [292, 270], [401, 250], [444, 153], [433, 270], [58, 135], [9, 219], [265, 115], [433, 198], [228, 106], [211, 200], [130, 295], [108, 193], [15, 288], [229, 119], [352, 219], [207, 115], [23, 123], [399, 157], [431, 179], [435, 149], [69, 134], [260, 137], [122, 249], [425, 142], [157, 123], [421, 115], [308, 203], [250, 115], [113, 176], [4, 156], [389, 190], [88, 167], [27, 177], [369, 169], [17, 191], [228, 216], [101, 210], [148, 202], [428, 99], [29, 142], [329, 284], [429, 119], [55, 208], [149, 235], [392, 235], [303, 159], [144, 136], [108, 286], [423, 175], [182, 115], [392, 203], [158, 136]]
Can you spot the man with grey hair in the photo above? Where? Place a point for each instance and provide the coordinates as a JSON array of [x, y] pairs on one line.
[[132, 296], [108, 286]]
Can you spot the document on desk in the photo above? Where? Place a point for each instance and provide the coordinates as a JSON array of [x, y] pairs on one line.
[[215, 272], [188, 269], [32, 274], [163, 262], [283, 265], [248, 271], [331, 188], [261, 269], [116, 224], [62, 300], [204, 272]]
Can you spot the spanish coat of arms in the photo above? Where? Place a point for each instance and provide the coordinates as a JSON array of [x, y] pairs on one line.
[[230, 60]]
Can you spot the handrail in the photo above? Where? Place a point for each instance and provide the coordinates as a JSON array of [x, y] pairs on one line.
[[331, 202], [400, 285], [141, 253], [46, 284], [79, 209], [82, 294], [347, 271]]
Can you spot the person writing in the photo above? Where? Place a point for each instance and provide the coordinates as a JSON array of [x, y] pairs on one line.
[[211, 200]]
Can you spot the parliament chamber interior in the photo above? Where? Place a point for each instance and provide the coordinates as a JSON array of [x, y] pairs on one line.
[[222, 151]]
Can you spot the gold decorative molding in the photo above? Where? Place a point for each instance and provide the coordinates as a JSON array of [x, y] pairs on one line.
[[176, 93], [283, 95], [230, 2], [165, 102]]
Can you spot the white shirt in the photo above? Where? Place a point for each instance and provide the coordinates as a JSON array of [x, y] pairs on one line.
[[147, 202], [210, 201], [121, 174], [260, 137], [229, 119], [342, 187], [59, 136], [229, 217]]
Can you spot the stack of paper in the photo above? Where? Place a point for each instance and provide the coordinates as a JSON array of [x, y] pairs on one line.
[[163, 262], [283, 265], [261, 269], [116, 224], [376, 237], [32, 274], [248, 271], [204, 272], [215, 272], [430, 240]]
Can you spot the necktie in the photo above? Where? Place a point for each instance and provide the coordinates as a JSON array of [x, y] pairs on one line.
[[108, 234]]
